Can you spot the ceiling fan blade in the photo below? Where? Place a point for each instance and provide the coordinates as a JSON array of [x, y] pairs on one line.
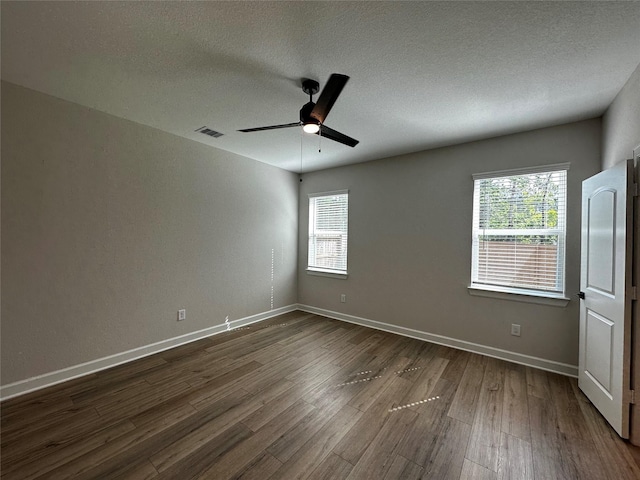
[[271, 127], [329, 95], [336, 136]]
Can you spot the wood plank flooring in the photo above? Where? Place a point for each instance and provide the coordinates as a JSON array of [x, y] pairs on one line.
[[305, 397]]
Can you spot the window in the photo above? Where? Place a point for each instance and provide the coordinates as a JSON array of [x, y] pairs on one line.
[[519, 224], [328, 232]]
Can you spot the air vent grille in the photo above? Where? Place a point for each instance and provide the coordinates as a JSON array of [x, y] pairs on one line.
[[208, 131]]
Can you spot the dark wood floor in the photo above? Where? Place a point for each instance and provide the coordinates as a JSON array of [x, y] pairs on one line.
[[302, 396]]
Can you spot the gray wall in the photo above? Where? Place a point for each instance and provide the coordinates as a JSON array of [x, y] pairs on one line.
[[621, 123], [410, 241], [109, 227]]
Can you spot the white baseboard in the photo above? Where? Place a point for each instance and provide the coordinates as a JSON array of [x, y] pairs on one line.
[[52, 378], [541, 363]]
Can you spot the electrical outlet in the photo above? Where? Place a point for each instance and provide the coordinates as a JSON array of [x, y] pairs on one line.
[[343, 298], [182, 315], [515, 329]]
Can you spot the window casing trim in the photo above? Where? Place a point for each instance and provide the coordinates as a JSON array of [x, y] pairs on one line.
[[322, 272], [319, 270], [551, 297], [519, 295], [555, 167], [328, 194]]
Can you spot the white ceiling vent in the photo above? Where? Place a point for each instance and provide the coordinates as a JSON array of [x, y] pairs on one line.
[[208, 131]]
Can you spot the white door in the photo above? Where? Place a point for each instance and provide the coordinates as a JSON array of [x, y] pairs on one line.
[[605, 284]]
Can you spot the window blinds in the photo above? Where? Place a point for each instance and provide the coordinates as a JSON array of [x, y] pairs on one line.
[[328, 231], [519, 224]]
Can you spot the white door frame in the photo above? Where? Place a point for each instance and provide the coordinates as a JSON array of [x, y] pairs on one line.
[[634, 416]]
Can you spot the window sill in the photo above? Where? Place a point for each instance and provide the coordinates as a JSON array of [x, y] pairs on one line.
[[326, 273], [516, 295]]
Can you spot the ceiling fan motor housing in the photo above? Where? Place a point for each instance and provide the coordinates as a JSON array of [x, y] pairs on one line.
[[310, 87], [305, 113]]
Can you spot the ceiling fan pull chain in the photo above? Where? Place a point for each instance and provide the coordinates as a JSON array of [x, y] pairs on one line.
[[320, 141]]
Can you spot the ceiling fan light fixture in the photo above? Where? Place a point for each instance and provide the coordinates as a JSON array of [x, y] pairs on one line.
[[311, 127]]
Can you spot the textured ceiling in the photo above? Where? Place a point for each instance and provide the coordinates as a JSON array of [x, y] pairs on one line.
[[423, 74]]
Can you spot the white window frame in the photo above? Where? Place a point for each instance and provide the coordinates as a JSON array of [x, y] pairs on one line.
[[312, 267], [557, 297]]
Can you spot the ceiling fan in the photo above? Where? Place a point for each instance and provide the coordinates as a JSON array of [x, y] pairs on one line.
[[312, 115]]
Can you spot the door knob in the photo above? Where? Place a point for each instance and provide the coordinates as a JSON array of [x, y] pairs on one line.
[[580, 295]]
